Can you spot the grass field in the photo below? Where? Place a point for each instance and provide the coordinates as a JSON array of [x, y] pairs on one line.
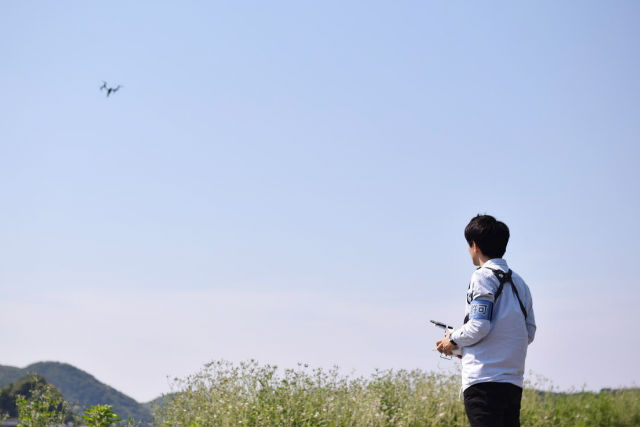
[[248, 394]]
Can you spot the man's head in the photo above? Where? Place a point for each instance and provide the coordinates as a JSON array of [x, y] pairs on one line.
[[487, 238]]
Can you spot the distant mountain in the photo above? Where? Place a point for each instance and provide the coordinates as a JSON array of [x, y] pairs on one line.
[[9, 374], [79, 387]]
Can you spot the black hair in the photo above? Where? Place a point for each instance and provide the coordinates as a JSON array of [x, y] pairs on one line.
[[490, 235]]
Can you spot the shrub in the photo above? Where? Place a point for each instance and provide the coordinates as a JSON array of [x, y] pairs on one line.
[[100, 416], [43, 408], [224, 394], [250, 394]]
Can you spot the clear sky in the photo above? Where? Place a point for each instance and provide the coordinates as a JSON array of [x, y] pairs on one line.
[[290, 181]]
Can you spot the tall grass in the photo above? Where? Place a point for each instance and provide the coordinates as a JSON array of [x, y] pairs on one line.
[[248, 394], [551, 407]]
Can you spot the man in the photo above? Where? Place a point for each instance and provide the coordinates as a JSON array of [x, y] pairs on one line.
[[499, 326]]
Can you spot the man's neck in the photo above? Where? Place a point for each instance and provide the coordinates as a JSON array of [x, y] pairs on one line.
[[482, 259]]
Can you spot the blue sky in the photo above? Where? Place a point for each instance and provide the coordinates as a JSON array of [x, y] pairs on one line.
[[289, 181]]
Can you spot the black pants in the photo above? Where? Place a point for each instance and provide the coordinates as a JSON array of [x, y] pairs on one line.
[[493, 405]]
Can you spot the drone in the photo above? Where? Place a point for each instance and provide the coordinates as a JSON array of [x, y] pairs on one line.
[[109, 90]]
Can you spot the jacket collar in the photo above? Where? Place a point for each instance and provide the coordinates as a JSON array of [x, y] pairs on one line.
[[500, 263]]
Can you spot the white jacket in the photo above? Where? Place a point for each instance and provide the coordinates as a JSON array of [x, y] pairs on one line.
[[495, 350]]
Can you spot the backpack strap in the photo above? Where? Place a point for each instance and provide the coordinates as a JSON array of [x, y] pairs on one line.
[[502, 278], [506, 278]]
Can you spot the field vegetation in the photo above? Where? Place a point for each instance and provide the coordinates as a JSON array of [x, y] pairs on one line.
[[249, 394]]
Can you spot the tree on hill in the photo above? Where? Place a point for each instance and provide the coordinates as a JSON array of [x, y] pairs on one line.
[[33, 393], [45, 407], [23, 387]]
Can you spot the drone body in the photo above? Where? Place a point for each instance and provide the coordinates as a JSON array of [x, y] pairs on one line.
[[109, 90]]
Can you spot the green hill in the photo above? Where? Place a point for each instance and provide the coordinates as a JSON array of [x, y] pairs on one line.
[[9, 374], [79, 387]]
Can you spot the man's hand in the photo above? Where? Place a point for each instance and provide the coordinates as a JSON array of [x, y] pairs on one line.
[[445, 346]]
